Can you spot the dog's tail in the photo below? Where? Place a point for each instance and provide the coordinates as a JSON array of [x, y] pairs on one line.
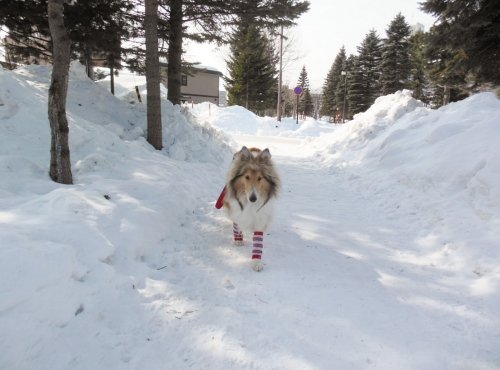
[[220, 201]]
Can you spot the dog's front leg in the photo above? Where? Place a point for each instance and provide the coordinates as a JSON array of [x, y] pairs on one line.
[[238, 235], [258, 244]]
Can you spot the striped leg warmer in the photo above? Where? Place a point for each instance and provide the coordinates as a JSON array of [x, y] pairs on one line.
[[238, 235], [258, 244]]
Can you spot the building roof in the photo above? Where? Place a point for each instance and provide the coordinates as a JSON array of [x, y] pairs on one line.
[[200, 68]]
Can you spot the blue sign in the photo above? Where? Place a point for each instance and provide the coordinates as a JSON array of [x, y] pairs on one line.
[[298, 90]]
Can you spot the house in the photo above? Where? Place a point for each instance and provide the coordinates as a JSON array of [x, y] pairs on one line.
[[200, 85]]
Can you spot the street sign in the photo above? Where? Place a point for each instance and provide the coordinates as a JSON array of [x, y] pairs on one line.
[[298, 92]]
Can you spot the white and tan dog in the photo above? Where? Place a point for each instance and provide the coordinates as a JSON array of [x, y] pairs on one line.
[[248, 197]]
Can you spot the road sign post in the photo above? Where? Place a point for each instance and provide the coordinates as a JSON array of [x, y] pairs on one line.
[[298, 90]]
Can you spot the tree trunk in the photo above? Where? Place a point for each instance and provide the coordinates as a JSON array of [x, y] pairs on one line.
[[175, 52], [153, 75], [60, 164], [280, 75], [89, 64], [111, 63], [446, 95]]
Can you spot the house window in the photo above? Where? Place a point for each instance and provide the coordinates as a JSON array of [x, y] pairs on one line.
[[184, 80]]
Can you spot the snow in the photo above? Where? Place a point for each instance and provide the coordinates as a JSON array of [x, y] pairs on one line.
[[384, 251]]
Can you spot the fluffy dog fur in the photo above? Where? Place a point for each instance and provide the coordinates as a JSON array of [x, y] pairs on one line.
[[251, 189]]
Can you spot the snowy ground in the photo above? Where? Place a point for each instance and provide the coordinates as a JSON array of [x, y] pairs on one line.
[[384, 252]]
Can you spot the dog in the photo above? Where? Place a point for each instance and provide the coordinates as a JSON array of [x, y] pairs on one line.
[[248, 197]]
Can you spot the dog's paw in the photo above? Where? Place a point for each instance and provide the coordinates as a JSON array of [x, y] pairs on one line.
[[257, 265], [238, 243]]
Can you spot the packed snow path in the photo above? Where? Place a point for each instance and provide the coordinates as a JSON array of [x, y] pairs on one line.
[[341, 289]]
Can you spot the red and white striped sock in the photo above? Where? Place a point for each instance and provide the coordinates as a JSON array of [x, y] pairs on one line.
[[258, 244], [238, 235]]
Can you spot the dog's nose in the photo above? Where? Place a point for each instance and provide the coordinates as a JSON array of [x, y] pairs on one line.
[[253, 197]]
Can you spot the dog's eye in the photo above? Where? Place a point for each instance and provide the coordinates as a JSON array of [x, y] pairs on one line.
[[260, 178], [247, 177]]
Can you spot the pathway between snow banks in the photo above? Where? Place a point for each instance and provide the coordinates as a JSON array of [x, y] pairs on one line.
[[342, 288]]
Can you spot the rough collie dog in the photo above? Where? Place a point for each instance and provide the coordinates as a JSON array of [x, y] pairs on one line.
[[248, 197]]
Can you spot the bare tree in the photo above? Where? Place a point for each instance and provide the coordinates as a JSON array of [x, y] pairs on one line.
[[60, 164], [286, 53], [153, 74]]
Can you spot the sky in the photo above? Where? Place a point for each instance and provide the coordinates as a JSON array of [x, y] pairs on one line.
[[321, 32]]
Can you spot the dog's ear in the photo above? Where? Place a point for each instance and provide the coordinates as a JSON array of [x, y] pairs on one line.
[[245, 153], [265, 154]]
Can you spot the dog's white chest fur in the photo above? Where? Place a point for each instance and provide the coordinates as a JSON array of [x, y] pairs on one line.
[[254, 216]]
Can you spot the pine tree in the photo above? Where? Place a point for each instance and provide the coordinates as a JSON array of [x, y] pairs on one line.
[[28, 27], [419, 81], [96, 30], [210, 19], [364, 86], [447, 74], [327, 100], [329, 105], [252, 80], [94, 26], [395, 65], [341, 98], [306, 106], [468, 32]]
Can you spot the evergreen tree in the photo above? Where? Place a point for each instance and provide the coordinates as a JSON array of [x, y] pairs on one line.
[[306, 105], [447, 74], [28, 27], [364, 86], [198, 20], [92, 25], [209, 20], [395, 65], [252, 80], [468, 31], [329, 104], [341, 98], [419, 81], [327, 101]]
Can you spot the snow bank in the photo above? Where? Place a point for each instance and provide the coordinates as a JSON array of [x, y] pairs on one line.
[[66, 250], [240, 121], [449, 148], [366, 126], [438, 169]]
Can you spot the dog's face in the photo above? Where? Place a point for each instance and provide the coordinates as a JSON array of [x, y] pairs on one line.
[[252, 185], [252, 178]]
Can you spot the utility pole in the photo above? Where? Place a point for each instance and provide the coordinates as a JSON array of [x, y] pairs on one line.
[[344, 73], [280, 75]]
